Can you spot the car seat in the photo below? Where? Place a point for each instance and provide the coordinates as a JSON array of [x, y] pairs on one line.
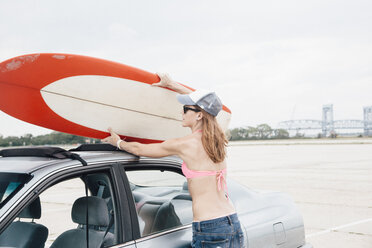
[[98, 219], [99, 185], [165, 218], [26, 234], [157, 214]]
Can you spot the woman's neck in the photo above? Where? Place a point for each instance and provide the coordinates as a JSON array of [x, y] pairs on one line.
[[196, 128]]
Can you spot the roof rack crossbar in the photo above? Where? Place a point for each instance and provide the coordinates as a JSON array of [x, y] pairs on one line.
[[95, 147], [98, 147], [46, 152]]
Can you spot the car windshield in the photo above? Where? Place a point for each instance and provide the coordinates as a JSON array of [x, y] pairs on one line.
[[10, 183]]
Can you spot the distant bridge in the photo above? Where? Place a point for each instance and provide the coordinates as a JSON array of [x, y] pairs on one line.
[[316, 124], [328, 126]]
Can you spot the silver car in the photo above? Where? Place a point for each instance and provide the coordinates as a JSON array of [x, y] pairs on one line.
[[96, 196]]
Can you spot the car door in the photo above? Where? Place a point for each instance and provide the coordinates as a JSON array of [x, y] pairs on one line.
[[178, 237], [161, 202], [56, 199]]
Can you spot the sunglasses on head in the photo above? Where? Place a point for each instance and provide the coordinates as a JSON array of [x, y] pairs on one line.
[[185, 109]]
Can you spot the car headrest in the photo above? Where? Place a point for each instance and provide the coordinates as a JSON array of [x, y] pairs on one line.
[[97, 180], [97, 211], [32, 211]]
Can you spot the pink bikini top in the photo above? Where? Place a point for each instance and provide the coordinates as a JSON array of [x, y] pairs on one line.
[[220, 176]]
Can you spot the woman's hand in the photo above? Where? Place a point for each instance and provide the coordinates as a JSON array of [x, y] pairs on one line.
[[165, 81], [113, 139]]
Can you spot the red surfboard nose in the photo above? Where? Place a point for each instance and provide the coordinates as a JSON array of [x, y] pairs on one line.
[[22, 78]]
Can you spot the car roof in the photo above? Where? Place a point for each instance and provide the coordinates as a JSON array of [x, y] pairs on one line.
[[19, 160]]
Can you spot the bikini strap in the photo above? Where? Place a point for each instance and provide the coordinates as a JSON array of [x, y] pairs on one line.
[[221, 176]]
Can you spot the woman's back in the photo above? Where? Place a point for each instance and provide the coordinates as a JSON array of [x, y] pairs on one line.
[[209, 199]]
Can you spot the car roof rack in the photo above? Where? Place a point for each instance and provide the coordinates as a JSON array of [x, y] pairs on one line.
[[102, 147], [46, 152], [94, 147]]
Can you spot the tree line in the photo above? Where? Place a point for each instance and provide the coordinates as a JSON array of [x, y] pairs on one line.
[[54, 138], [262, 131]]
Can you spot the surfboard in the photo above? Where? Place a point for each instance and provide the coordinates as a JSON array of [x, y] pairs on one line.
[[84, 96]]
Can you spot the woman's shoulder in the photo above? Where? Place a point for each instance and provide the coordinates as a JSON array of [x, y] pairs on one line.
[[188, 141], [184, 142]]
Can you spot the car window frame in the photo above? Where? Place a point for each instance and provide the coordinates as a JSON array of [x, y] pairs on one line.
[[150, 164]]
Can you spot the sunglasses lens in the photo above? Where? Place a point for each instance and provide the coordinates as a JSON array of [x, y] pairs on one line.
[[185, 109]]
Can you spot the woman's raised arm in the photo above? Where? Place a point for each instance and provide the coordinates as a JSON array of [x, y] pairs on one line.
[[167, 82], [156, 150]]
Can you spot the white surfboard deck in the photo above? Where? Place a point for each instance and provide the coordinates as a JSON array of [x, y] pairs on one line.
[[129, 107]]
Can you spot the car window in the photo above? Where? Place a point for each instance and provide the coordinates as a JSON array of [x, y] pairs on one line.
[[161, 198], [56, 205], [58, 215], [10, 183]]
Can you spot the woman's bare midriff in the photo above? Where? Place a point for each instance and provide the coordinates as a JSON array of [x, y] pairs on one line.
[[207, 201]]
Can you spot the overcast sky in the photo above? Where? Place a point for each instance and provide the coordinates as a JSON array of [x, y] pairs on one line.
[[269, 61]]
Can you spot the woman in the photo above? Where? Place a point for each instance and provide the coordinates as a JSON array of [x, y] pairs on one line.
[[215, 222]]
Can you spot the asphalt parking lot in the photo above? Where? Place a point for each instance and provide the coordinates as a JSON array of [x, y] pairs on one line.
[[331, 183]]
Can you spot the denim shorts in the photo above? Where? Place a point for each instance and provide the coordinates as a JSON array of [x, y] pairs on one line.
[[223, 232]]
